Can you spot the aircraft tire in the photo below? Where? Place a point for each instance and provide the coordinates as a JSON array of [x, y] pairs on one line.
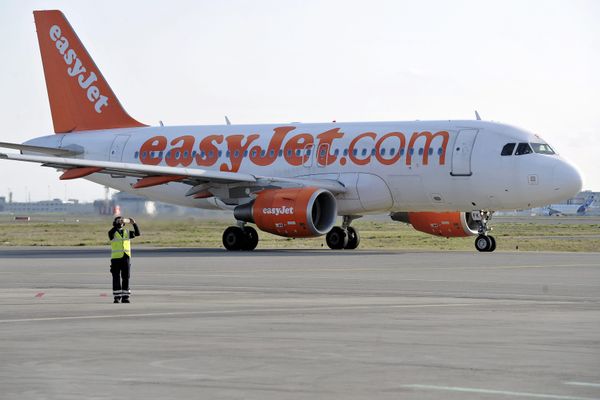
[[493, 247], [337, 238], [353, 239], [250, 238], [483, 243], [234, 238]]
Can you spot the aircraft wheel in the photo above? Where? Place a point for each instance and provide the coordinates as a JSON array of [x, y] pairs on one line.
[[234, 238], [353, 239], [337, 238], [483, 243], [493, 247], [251, 238]]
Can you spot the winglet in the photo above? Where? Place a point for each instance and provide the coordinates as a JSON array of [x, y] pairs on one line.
[[80, 98], [227, 121], [477, 116]]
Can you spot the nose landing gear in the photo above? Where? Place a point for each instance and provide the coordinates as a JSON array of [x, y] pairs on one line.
[[345, 236], [240, 237], [484, 242]]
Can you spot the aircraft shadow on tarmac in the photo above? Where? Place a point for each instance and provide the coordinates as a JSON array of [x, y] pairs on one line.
[[173, 252]]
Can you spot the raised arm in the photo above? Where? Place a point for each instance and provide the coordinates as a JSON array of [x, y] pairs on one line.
[[136, 230], [111, 233]]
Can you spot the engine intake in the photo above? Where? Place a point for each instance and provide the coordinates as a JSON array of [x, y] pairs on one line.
[[446, 224], [297, 212]]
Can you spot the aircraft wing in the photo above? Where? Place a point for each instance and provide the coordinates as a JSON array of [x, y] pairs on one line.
[[152, 175], [68, 152]]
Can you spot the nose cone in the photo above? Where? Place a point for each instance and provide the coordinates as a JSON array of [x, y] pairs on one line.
[[567, 179]]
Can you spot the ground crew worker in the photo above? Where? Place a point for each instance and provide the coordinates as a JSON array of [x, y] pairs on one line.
[[120, 258]]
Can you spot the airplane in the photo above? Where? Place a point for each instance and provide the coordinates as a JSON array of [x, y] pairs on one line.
[[569, 209], [445, 178]]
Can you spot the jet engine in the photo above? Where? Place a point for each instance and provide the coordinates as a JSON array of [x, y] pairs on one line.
[[296, 212], [446, 224]]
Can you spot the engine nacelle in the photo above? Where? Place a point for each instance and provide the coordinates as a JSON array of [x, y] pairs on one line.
[[446, 224], [297, 212]]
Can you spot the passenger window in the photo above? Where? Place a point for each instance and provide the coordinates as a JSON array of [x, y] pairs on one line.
[[542, 148], [523, 148], [507, 150]]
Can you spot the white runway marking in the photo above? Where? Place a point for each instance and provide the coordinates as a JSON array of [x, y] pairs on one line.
[[498, 392], [589, 384], [237, 311]]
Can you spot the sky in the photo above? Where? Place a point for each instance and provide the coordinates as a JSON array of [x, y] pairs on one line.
[[534, 64]]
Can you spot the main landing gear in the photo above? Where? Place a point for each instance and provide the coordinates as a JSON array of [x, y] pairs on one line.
[[484, 242], [240, 237], [345, 236]]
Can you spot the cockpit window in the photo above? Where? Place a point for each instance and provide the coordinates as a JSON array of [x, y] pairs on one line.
[[508, 148], [542, 148], [523, 148]]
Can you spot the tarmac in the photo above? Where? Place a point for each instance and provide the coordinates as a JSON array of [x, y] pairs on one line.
[[309, 324]]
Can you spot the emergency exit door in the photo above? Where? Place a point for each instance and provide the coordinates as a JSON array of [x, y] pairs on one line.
[[117, 147], [461, 153]]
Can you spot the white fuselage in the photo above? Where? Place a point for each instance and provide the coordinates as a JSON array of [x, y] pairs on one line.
[[385, 166]]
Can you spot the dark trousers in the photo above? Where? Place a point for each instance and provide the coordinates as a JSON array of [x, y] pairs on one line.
[[120, 269]]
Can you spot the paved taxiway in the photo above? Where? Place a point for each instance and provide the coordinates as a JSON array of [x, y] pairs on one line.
[[301, 325]]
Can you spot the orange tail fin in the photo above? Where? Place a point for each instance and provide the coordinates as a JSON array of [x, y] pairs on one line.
[[80, 98]]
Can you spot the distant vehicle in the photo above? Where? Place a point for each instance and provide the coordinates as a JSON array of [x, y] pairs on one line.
[[569, 209], [445, 177]]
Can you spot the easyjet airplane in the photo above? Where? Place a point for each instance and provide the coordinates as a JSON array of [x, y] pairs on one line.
[[446, 178]]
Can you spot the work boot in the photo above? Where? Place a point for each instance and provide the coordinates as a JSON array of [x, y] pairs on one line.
[[125, 301], [116, 300]]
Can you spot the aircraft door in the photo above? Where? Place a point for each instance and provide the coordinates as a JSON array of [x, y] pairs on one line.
[[307, 156], [461, 153], [322, 156], [117, 147]]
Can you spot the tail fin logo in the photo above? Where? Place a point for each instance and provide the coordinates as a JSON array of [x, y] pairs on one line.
[[78, 70]]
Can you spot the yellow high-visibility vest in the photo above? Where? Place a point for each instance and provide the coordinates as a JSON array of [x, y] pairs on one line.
[[120, 245]]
